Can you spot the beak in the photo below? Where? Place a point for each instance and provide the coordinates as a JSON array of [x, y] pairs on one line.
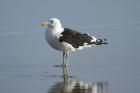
[[45, 23]]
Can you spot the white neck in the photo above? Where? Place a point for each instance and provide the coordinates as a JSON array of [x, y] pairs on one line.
[[57, 29]]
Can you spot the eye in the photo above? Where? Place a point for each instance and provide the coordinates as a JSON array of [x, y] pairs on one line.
[[51, 21]]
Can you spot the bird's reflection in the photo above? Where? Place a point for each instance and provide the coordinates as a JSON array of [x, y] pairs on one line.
[[76, 86]]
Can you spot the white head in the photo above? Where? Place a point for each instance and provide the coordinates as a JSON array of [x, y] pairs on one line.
[[52, 23]]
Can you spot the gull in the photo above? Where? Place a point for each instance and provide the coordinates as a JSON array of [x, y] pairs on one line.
[[66, 39]]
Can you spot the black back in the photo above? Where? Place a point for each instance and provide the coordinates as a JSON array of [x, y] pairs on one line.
[[75, 38]]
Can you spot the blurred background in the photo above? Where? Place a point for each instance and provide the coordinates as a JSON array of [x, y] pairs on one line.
[[26, 58]]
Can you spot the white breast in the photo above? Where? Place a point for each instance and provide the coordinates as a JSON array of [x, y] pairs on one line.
[[52, 38], [53, 41]]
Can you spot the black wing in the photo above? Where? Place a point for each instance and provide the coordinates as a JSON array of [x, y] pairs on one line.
[[75, 38]]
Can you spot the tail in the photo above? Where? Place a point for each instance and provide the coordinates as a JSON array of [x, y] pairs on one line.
[[101, 41]]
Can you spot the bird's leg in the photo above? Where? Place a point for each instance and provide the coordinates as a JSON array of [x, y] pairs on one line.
[[65, 59], [67, 56], [65, 74]]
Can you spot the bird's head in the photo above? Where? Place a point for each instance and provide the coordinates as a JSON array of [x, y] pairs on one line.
[[51, 23]]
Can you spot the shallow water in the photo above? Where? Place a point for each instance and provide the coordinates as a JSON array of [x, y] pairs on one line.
[[27, 66], [27, 62], [44, 79]]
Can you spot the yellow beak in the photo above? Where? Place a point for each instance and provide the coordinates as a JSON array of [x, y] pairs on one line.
[[45, 23]]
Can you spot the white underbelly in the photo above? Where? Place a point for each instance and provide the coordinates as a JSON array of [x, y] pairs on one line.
[[54, 43]]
